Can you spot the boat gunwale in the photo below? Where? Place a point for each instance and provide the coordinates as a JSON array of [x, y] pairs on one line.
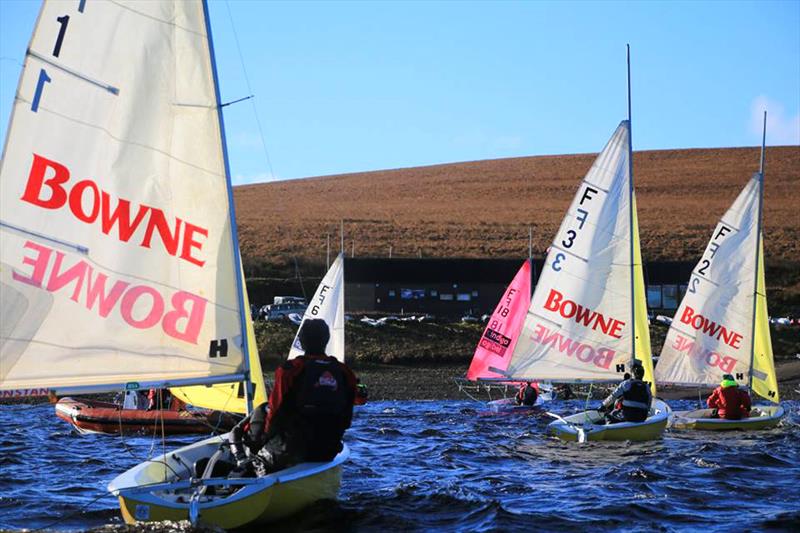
[[250, 486], [569, 427]]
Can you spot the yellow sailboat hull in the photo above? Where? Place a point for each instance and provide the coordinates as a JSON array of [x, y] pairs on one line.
[[761, 417], [152, 492], [590, 426]]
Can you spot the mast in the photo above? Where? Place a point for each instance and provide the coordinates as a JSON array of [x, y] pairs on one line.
[[328, 256], [758, 251], [237, 261], [530, 258], [630, 214], [341, 235]]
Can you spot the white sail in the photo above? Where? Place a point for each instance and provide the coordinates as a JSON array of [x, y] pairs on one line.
[[712, 332], [116, 248], [579, 324], [327, 304]]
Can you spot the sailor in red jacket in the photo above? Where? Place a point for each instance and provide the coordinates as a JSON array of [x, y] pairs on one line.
[[311, 404], [729, 401]]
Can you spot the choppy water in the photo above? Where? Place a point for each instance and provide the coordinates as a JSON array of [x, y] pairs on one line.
[[447, 465]]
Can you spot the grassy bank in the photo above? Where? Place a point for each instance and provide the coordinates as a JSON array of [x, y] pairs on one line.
[[438, 343]]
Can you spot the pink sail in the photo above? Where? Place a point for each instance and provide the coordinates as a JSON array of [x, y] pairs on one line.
[[497, 342]]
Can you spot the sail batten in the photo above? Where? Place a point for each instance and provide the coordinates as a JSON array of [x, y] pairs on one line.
[[127, 268]]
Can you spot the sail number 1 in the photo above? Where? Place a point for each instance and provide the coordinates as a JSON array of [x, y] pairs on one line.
[[43, 77]]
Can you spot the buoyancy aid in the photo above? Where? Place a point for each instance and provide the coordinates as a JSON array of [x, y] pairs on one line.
[[636, 395], [323, 389]]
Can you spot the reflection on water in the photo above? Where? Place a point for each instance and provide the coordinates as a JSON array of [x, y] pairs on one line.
[[435, 465]]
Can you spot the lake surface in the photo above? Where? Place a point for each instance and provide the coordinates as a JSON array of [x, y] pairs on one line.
[[449, 465]]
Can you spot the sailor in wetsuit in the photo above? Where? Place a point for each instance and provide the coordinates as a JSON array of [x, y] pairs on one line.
[[310, 407], [630, 400]]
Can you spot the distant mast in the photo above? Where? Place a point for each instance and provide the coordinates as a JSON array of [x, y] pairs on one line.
[[630, 213], [758, 249]]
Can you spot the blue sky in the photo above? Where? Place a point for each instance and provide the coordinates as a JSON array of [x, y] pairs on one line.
[[355, 86]]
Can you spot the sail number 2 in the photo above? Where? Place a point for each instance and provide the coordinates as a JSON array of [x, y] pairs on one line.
[[43, 77]]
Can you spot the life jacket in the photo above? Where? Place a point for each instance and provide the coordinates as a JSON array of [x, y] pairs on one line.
[[322, 390], [527, 395], [636, 395]]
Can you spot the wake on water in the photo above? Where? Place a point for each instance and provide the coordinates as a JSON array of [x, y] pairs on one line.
[[447, 465]]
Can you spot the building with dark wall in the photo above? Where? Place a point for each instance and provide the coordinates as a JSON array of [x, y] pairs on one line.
[[455, 287]]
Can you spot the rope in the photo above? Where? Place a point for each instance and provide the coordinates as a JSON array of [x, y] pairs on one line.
[[249, 90]]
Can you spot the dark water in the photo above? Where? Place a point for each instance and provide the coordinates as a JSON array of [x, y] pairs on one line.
[[446, 465]]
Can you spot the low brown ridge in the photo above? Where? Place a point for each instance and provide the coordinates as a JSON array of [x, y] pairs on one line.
[[484, 208]]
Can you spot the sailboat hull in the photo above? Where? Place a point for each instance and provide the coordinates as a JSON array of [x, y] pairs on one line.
[[761, 417], [152, 491], [89, 416], [590, 426]]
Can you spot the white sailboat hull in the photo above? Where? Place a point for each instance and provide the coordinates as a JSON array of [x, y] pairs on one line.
[[761, 417], [591, 426], [164, 488]]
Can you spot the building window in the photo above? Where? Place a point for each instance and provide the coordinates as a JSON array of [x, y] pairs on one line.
[[392, 293], [446, 297], [412, 294], [474, 294], [654, 296], [463, 297], [434, 293], [670, 296]]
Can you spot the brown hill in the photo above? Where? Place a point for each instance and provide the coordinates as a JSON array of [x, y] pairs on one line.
[[484, 208]]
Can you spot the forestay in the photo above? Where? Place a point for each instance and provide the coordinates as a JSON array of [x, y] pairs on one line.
[[118, 262], [496, 345], [327, 304], [712, 332], [579, 324]]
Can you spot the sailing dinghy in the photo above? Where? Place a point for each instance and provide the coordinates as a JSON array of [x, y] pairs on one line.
[[722, 326], [327, 304], [119, 255], [494, 348], [587, 320]]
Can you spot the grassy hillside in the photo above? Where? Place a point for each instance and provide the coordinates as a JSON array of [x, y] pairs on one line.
[[484, 209]]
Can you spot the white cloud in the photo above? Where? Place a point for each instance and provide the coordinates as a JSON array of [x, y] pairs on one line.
[[246, 179], [781, 129]]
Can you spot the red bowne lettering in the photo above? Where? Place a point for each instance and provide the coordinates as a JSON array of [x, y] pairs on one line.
[[583, 315], [585, 353], [47, 188], [708, 357], [140, 306], [710, 328]]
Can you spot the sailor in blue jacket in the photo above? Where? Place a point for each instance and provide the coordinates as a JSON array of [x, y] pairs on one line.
[[631, 399]]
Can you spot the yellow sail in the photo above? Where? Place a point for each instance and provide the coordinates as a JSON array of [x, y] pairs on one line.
[[229, 396], [641, 325], [765, 382]]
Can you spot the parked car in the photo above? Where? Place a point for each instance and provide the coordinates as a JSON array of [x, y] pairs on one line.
[[281, 311], [289, 300]]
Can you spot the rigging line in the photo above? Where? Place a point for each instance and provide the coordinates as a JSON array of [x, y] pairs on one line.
[[250, 91]]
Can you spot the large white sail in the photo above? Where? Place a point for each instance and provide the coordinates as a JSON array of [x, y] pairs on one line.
[[116, 249], [327, 304], [712, 332], [580, 322]]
